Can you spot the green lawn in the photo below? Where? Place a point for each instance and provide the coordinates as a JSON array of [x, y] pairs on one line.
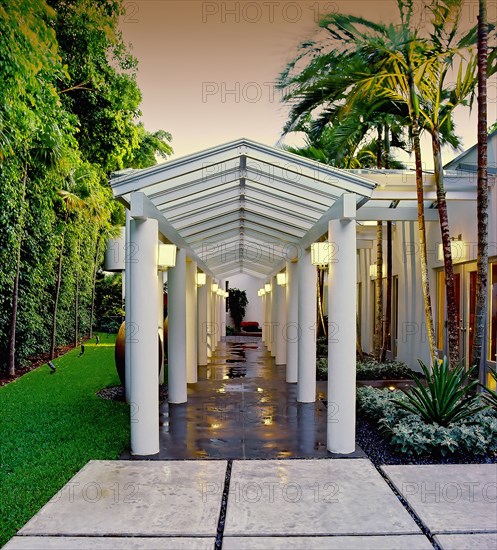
[[51, 425]]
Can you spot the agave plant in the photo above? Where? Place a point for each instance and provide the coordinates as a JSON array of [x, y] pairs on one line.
[[491, 395], [447, 396]]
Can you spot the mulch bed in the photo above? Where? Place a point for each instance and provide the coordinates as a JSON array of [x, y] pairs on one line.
[[34, 362], [116, 393]]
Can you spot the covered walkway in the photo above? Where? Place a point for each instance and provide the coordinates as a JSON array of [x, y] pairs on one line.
[[242, 408]]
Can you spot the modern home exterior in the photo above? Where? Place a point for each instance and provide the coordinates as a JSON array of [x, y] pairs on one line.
[[243, 213]]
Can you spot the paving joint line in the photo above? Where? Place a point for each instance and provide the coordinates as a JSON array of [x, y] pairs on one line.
[[224, 506], [424, 528]]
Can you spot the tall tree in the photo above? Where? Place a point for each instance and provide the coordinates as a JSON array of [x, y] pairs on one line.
[[478, 357]]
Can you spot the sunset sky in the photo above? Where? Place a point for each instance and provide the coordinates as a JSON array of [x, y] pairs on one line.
[[206, 69]]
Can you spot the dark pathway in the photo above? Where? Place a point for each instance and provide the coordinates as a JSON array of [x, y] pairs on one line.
[[242, 407]]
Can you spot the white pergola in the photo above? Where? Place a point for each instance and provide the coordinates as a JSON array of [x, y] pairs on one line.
[[246, 207]]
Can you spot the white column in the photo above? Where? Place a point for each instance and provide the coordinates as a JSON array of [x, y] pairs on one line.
[[274, 316], [127, 308], [191, 323], [222, 299], [269, 331], [281, 326], [342, 305], [263, 309], [176, 290], [307, 310], [143, 338], [160, 320], [202, 325], [292, 332], [217, 299], [208, 327]]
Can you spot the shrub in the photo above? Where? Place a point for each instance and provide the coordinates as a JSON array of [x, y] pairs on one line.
[[322, 346], [476, 435], [409, 434], [322, 369], [370, 370], [448, 397], [374, 370]]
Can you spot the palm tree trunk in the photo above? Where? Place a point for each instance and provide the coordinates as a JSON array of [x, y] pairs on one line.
[[387, 339], [430, 331], [378, 332], [450, 296], [76, 302], [477, 357], [15, 288], [57, 293], [95, 267]]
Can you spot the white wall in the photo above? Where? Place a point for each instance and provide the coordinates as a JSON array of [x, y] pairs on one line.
[[251, 285]]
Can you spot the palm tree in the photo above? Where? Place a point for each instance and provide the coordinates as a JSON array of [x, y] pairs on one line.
[[72, 199], [382, 65], [482, 197]]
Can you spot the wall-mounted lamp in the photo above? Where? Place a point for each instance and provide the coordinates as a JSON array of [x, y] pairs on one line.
[[201, 279], [372, 271], [214, 287], [226, 294], [281, 279], [267, 287], [261, 292], [166, 256], [457, 249], [320, 253], [220, 292]]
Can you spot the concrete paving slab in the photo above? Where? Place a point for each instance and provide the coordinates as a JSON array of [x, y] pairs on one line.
[[110, 543], [388, 542], [135, 498], [476, 541], [319, 497], [450, 498]]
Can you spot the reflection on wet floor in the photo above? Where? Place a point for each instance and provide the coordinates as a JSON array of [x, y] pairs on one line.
[[242, 407]]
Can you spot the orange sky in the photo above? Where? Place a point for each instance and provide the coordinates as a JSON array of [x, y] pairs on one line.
[[206, 68]]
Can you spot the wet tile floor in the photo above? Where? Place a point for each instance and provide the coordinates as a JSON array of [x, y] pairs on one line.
[[242, 408]]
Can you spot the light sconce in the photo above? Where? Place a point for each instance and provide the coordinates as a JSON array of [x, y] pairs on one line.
[[201, 279], [261, 292], [166, 256], [226, 294], [220, 292], [267, 287], [320, 253], [457, 249], [372, 271], [215, 287], [281, 279]]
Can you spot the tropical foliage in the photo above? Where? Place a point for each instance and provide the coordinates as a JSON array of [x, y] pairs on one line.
[[410, 435], [364, 78], [445, 397], [237, 304], [69, 104]]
